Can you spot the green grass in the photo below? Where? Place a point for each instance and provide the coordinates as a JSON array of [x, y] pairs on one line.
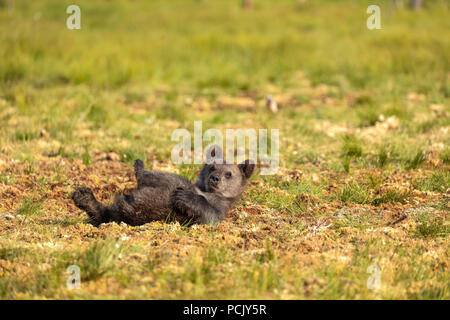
[[29, 207], [138, 70], [392, 195], [445, 155], [415, 162], [98, 259], [381, 158], [431, 227], [439, 182], [11, 253], [360, 193], [351, 146], [234, 53], [353, 193]]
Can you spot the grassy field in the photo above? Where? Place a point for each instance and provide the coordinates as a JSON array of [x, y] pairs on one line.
[[364, 124]]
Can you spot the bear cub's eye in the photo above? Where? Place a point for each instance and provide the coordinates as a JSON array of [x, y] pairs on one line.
[[212, 169], [228, 175]]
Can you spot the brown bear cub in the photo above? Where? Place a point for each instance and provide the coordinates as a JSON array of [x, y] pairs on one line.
[[162, 196]]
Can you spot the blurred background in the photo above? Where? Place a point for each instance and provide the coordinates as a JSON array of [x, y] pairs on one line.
[[233, 45], [135, 61]]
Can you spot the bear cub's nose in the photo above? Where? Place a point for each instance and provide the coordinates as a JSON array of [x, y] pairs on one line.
[[214, 178]]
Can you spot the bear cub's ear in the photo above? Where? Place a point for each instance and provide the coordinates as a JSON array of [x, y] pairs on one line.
[[247, 167], [214, 154]]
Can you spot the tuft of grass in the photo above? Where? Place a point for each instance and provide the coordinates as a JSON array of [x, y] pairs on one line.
[[29, 207], [98, 259], [351, 146], [363, 100], [442, 204], [398, 111], [392, 195], [40, 283], [130, 154], [267, 255], [97, 115], [133, 97], [382, 158], [445, 155], [272, 198], [86, 157], [439, 182], [302, 186], [199, 271], [359, 193], [346, 164], [6, 178], [415, 162], [367, 117], [433, 292], [426, 126], [11, 253], [430, 226], [353, 193], [26, 135], [375, 181]]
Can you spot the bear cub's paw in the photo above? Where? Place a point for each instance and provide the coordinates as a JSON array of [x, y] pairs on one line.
[[180, 198], [82, 196]]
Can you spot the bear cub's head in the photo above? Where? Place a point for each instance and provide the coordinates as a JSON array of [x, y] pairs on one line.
[[229, 180]]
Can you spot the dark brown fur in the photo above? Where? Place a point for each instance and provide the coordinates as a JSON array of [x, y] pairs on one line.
[[167, 196]]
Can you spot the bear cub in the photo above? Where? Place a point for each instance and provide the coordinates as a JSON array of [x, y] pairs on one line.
[[163, 196]]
